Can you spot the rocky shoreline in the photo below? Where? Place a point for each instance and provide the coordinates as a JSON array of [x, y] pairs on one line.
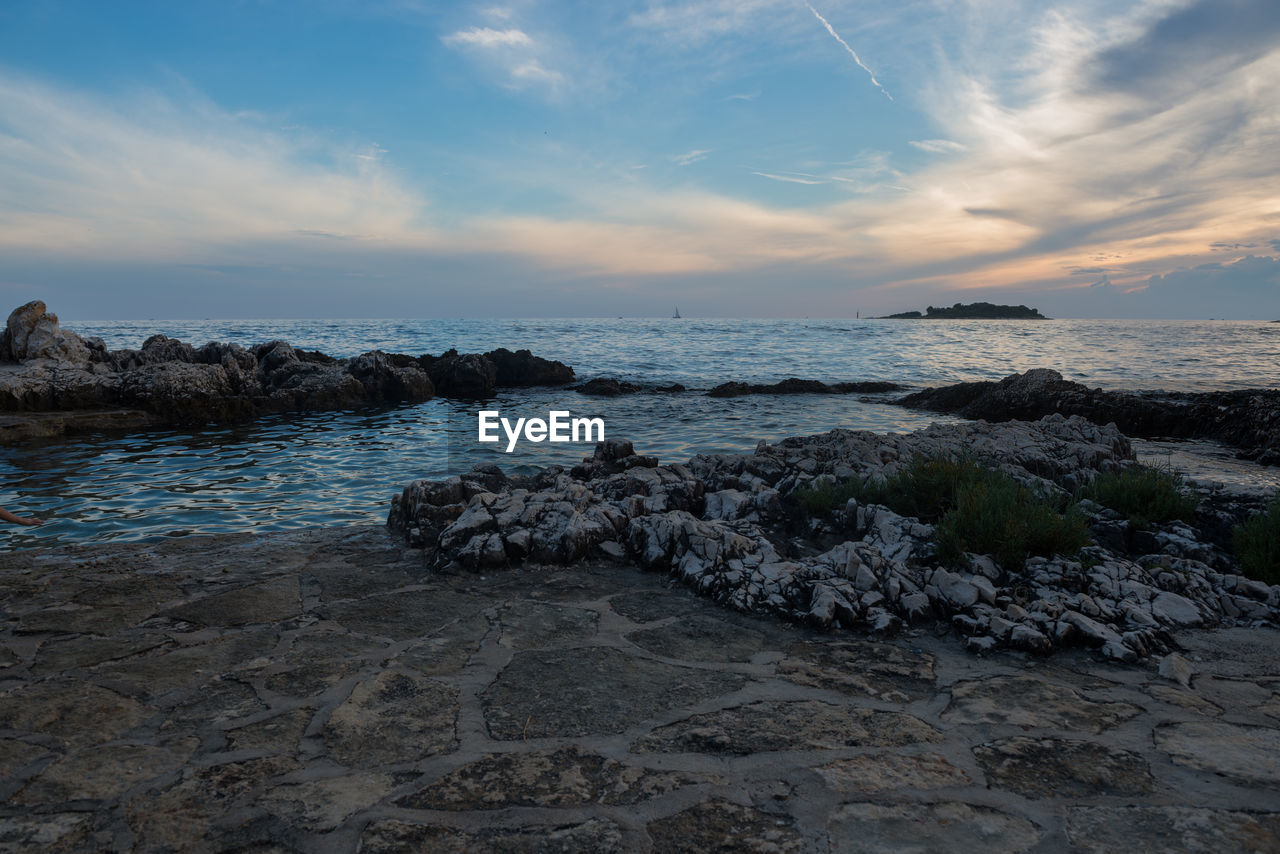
[[511, 665], [727, 526], [53, 381], [1248, 420]]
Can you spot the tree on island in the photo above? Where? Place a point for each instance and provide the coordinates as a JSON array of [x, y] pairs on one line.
[[972, 311]]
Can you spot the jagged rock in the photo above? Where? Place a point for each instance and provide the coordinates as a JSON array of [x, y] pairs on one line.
[[183, 393], [719, 524], [522, 368], [32, 332], [384, 380], [159, 349], [606, 387], [1176, 668], [168, 381], [798, 386], [1248, 419], [468, 375]]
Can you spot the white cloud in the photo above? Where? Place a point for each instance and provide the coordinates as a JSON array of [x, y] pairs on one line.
[[695, 23], [519, 58], [485, 37], [534, 72], [159, 177], [691, 157], [1046, 175], [791, 179], [937, 146]]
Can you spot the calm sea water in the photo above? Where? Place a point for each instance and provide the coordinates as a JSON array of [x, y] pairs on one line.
[[342, 468]]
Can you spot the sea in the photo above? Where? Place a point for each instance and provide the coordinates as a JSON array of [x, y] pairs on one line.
[[342, 468]]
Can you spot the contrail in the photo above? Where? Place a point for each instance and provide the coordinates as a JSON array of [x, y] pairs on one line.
[[852, 52]]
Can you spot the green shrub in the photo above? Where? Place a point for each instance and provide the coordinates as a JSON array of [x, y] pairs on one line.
[[928, 487], [974, 509], [1257, 544], [823, 498], [1005, 519], [1144, 495]]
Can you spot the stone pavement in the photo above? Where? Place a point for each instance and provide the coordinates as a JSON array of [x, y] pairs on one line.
[[318, 691]]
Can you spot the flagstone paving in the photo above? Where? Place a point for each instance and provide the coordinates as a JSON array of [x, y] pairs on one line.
[[320, 691]]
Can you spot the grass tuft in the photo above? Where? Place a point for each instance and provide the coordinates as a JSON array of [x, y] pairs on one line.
[[1143, 494], [827, 496], [1003, 518], [973, 508], [1257, 544]]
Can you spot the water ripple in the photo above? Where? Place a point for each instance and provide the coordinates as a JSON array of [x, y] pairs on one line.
[[342, 468]]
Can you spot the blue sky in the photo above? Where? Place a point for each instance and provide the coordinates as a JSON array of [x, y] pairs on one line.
[[739, 158]]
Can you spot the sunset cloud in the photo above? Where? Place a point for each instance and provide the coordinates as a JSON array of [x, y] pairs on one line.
[[1030, 151]]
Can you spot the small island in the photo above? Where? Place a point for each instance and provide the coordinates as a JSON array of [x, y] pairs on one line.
[[971, 311]]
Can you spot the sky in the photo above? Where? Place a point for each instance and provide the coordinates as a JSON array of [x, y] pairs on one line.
[[753, 158]]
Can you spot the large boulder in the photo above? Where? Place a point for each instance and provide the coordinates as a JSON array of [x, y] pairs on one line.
[[468, 375], [273, 357], [185, 393], [159, 349], [32, 332], [1249, 419], [307, 387], [385, 381], [522, 368]]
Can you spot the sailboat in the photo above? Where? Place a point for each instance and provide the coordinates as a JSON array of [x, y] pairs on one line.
[[676, 316]]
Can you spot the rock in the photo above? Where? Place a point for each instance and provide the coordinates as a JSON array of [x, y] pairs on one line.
[[723, 826], [393, 719], [1103, 829], [881, 670], [772, 726], [522, 368], [1176, 668], [1056, 767], [31, 333], [159, 349], [1030, 702], [1168, 607], [577, 692], [797, 386], [944, 826], [322, 805], [722, 523], [1245, 419], [703, 639], [102, 772], [872, 773], [954, 590], [529, 625], [469, 375], [170, 382], [73, 711], [610, 387], [563, 777], [594, 836], [384, 381], [1250, 754], [606, 387]]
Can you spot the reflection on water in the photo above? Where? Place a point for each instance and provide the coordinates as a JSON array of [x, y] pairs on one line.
[[342, 468]]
